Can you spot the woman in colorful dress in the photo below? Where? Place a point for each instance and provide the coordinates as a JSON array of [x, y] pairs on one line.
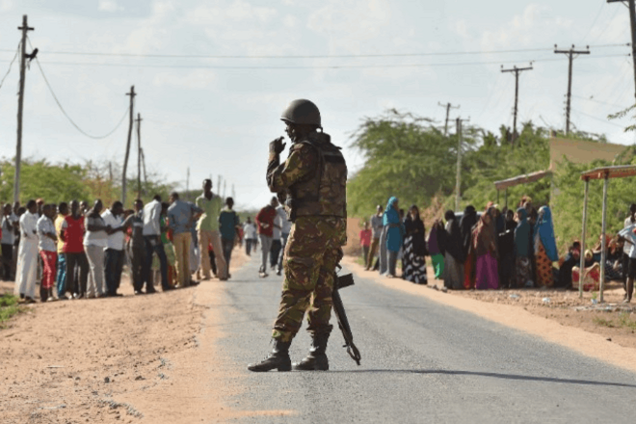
[[485, 246], [545, 248], [414, 259]]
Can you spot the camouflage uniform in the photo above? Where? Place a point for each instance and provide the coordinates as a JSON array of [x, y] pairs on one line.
[[313, 180]]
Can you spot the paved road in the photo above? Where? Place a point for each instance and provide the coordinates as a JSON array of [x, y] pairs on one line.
[[422, 362]]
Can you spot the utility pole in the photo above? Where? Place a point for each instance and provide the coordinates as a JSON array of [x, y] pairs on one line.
[[138, 120], [18, 151], [632, 19], [143, 161], [130, 128], [516, 71], [448, 107], [224, 188], [218, 185], [571, 56], [458, 178]]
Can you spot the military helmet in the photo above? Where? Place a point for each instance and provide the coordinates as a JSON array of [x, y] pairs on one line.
[[302, 112]]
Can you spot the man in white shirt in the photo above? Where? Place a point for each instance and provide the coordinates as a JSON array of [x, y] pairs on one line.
[[48, 251], [249, 234], [26, 269], [114, 251], [284, 234], [152, 239], [274, 251], [8, 239]]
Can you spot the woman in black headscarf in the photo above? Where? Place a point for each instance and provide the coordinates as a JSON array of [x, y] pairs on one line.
[[466, 226], [454, 256], [414, 262]]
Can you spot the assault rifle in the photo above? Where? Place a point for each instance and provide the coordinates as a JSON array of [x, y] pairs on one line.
[[340, 283]]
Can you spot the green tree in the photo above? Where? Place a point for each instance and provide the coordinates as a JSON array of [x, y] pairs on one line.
[[495, 161], [39, 178], [405, 156]]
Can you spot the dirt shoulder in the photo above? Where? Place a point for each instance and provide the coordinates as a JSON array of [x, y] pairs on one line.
[[147, 358], [602, 331]]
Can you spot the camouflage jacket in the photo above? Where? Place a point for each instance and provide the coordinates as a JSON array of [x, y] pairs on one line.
[[312, 180]]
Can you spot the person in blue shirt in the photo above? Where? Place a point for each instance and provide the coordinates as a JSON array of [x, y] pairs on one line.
[[392, 222], [181, 218]]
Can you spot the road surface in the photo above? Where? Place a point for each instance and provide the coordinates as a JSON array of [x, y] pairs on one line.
[[422, 362]]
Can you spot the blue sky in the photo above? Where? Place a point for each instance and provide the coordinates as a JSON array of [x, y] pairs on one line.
[[217, 115]]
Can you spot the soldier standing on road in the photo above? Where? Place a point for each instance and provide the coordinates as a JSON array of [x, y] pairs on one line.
[[312, 182]]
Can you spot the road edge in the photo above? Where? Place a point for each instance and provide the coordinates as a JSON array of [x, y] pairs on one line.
[[581, 341]]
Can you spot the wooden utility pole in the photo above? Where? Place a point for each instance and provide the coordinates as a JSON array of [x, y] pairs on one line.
[[516, 71], [571, 55], [632, 20], [130, 128], [138, 120], [143, 161], [18, 150], [448, 107]]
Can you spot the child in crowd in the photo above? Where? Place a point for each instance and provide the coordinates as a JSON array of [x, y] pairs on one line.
[[365, 239]]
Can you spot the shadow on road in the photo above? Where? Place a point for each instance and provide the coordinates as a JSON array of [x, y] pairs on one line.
[[497, 375]]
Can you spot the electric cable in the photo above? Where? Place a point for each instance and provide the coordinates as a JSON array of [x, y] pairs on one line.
[[69, 118], [342, 56], [597, 119], [17, 52], [333, 67], [591, 99]]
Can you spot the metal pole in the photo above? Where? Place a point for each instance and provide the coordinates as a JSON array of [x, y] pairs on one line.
[[603, 243], [459, 164], [582, 264], [506, 197]]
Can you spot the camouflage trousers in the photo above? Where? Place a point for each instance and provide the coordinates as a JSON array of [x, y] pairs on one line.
[[313, 250]]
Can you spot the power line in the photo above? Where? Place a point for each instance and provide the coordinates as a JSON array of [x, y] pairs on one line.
[[67, 116], [194, 56], [598, 119], [333, 67], [17, 52], [591, 99], [594, 22]]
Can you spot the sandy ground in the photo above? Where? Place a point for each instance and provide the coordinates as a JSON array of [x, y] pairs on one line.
[[128, 359], [564, 319], [153, 359]]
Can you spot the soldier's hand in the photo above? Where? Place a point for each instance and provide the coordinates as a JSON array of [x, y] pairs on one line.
[[277, 146]]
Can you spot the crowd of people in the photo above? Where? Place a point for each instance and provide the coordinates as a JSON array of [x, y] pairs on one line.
[[272, 226], [493, 249], [76, 252]]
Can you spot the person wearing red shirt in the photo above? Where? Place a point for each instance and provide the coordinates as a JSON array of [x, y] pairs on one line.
[[365, 239], [265, 223], [72, 235]]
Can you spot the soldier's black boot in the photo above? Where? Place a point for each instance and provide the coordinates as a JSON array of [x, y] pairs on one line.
[[277, 359], [317, 358]]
